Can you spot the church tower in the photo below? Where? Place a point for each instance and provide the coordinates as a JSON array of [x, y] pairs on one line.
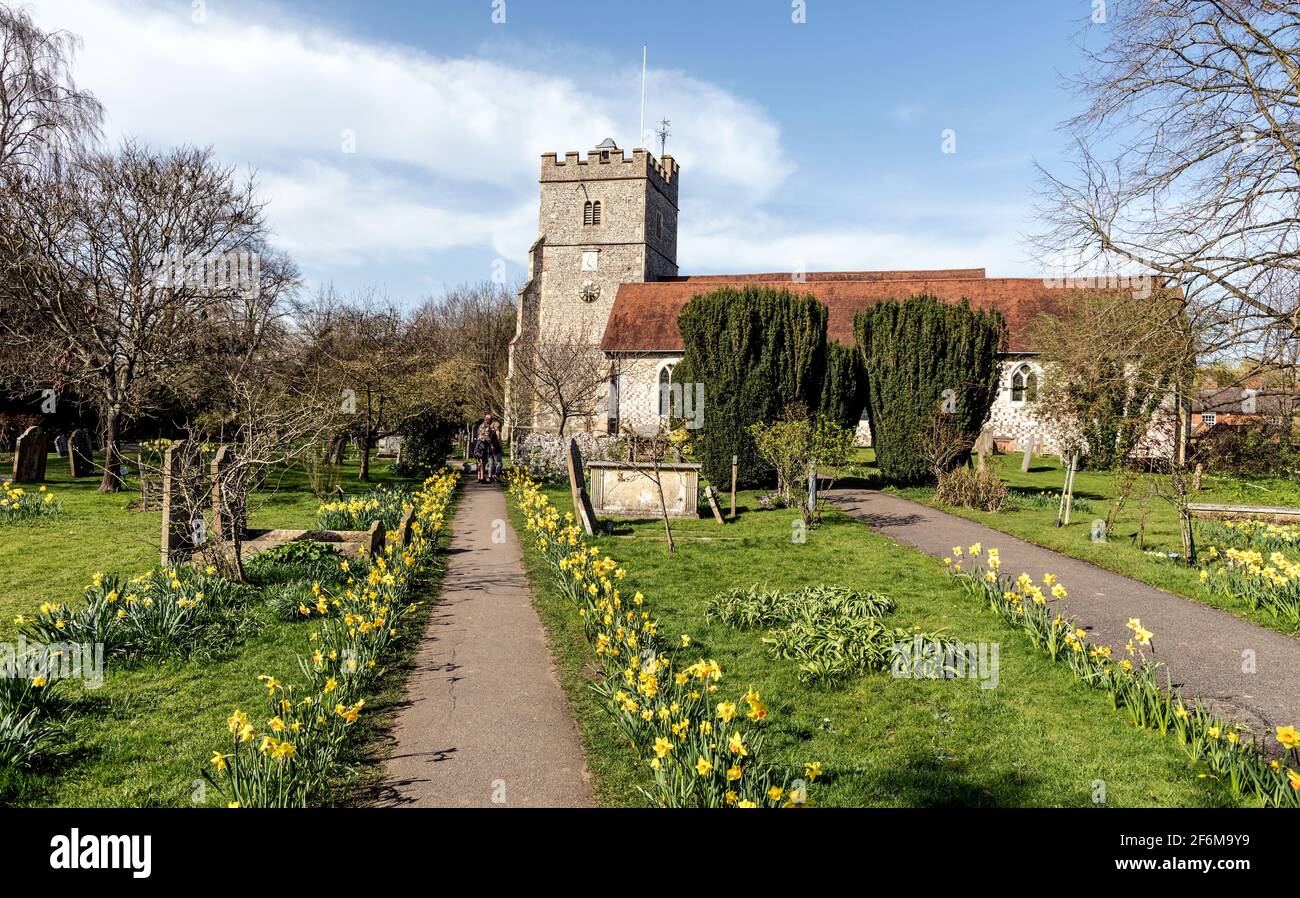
[[605, 220]]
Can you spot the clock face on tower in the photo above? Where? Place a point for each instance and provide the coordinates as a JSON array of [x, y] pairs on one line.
[[590, 292]]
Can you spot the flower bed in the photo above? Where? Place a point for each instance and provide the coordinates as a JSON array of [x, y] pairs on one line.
[[359, 512], [1250, 534], [19, 505], [287, 755], [1271, 584], [704, 752], [1133, 681], [179, 612]]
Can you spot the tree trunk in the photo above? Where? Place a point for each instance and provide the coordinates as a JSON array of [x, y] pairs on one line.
[[363, 449], [112, 481]]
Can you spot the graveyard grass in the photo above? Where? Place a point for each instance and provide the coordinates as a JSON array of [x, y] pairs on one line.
[[143, 738], [1120, 552], [1038, 739]]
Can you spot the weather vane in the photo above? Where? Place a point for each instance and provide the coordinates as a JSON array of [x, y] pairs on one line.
[[664, 134]]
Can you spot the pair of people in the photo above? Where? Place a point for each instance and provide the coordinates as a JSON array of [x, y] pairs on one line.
[[486, 450]]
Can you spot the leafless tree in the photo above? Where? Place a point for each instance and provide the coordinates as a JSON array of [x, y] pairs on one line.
[[562, 374], [128, 260], [43, 114], [1187, 162], [382, 371], [471, 325]]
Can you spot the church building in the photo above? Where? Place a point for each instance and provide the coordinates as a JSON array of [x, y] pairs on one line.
[[604, 266]]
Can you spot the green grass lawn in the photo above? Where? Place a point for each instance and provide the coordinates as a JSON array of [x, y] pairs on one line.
[[1039, 739], [1120, 553], [143, 737]]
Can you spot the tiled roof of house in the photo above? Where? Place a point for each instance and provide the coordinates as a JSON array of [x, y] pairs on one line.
[[1233, 401], [644, 317]]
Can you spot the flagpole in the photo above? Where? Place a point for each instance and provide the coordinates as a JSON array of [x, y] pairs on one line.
[[640, 134]]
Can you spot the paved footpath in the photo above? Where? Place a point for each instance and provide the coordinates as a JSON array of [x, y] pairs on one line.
[[485, 722], [1205, 649]]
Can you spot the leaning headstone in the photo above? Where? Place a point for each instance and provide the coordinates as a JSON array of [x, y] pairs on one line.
[[177, 529], [228, 512], [29, 456], [713, 504], [406, 529], [61, 445], [81, 459], [1029, 455], [375, 539], [582, 509]]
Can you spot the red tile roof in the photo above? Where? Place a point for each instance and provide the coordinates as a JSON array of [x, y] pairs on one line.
[[644, 317]]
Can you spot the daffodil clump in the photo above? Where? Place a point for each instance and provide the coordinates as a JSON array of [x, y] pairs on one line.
[[31, 709], [179, 612], [703, 745], [832, 632], [153, 451], [287, 754], [359, 512], [1250, 534], [1271, 584], [1132, 678], [18, 504]]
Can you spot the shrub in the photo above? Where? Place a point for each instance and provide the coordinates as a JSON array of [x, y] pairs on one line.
[[968, 488], [757, 351], [844, 389], [428, 437], [913, 352]]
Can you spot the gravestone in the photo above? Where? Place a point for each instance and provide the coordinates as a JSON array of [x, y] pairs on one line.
[[375, 538], [177, 529], [582, 510], [713, 504], [81, 459], [228, 512], [984, 447], [61, 445], [1029, 455], [406, 529], [29, 456]]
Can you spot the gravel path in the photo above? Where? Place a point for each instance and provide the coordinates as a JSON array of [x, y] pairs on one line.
[[485, 723]]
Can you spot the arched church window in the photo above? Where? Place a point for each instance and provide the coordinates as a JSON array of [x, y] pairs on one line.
[[588, 213], [1024, 384], [595, 212], [665, 391]]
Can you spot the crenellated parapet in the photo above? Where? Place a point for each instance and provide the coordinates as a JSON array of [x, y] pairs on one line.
[[613, 164]]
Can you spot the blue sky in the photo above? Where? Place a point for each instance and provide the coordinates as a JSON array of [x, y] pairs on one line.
[[815, 145]]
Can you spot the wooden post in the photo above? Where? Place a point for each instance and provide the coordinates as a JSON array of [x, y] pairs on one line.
[[734, 461]]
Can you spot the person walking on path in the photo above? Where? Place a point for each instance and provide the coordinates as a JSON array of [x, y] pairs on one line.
[[482, 447], [494, 447]]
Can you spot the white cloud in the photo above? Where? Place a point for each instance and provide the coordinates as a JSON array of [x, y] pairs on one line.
[[447, 149]]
